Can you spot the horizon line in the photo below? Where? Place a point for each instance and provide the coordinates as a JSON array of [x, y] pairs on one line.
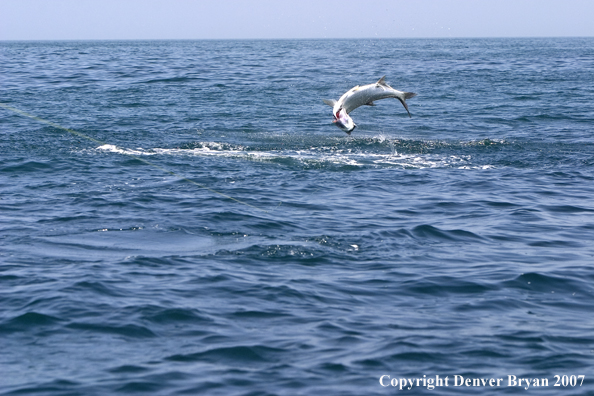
[[296, 38]]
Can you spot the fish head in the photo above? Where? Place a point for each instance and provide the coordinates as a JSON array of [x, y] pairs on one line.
[[344, 121]]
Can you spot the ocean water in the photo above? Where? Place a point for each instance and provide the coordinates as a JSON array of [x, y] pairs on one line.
[[183, 218]]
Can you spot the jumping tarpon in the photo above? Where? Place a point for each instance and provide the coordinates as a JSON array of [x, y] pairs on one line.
[[365, 95]]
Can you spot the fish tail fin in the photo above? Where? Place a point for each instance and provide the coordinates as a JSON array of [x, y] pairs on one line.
[[406, 95]]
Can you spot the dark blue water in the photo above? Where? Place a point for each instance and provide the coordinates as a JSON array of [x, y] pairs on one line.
[[220, 236]]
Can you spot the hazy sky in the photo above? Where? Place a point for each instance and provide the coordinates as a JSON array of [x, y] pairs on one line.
[[213, 19]]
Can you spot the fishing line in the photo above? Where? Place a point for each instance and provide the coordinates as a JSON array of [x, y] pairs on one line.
[[82, 135]]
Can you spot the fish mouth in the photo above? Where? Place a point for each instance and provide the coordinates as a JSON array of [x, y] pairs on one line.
[[343, 126], [338, 120]]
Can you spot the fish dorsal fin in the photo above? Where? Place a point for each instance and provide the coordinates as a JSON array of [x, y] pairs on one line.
[[382, 81], [330, 102]]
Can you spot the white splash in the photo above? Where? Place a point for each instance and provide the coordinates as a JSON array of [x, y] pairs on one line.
[[313, 155]]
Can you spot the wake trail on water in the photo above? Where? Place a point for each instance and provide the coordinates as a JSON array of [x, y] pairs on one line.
[[384, 156], [125, 152]]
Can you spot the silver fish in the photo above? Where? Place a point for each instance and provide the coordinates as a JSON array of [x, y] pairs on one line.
[[365, 95]]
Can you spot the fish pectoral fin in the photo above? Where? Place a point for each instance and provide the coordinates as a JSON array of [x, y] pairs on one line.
[[330, 102]]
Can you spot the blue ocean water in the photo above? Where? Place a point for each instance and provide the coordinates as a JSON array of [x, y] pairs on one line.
[[220, 236]]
